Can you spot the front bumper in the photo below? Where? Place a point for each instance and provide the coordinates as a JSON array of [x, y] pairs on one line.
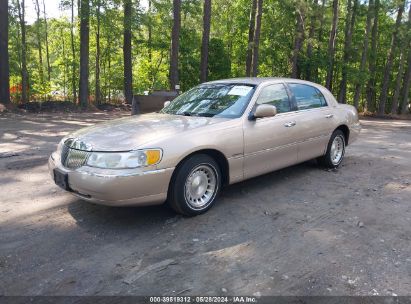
[[116, 187]]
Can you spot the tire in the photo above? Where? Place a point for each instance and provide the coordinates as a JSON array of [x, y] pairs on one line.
[[195, 185], [333, 159]]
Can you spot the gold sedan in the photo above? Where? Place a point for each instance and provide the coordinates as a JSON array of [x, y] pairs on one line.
[[218, 133]]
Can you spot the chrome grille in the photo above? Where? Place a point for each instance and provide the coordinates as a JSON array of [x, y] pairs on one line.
[[64, 153], [73, 158]]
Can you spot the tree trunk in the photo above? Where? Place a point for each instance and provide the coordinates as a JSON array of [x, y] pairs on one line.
[[128, 66], [320, 40], [407, 84], [364, 54], [73, 52], [175, 44], [47, 42], [390, 60], [37, 7], [4, 53], [205, 41], [84, 52], [349, 28], [24, 73], [407, 76], [395, 98], [97, 94], [150, 43], [370, 105], [298, 40], [109, 80], [150, 34], [256, 42], [251, 26], [331, 46], [106, 74], [65, 62], [311, 34]]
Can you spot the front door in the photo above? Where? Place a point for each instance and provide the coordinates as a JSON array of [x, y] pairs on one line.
[[269, 143]]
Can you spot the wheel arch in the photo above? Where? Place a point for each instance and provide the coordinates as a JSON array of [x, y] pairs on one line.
[[344, 128], [218, 156]]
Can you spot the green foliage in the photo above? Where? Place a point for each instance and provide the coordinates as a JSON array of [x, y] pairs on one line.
[[151, 31], [219, 66]]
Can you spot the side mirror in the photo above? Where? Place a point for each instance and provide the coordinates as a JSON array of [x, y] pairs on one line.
[[166, 103], [264, 110]]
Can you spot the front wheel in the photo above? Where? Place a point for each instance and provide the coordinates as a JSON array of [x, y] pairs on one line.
[[335, 150], [195, 185]]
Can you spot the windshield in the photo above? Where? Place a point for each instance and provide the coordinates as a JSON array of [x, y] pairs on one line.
[[212, 100]]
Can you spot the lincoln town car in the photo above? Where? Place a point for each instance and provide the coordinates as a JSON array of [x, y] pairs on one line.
[[216, 134]]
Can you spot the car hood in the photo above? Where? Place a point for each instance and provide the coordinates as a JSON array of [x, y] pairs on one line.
[[132, 132]]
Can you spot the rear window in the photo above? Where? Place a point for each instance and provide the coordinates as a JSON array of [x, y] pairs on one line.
[[307, 97]]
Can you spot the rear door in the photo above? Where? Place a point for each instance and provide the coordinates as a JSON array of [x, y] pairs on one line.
[[269, 143], [315, 120]]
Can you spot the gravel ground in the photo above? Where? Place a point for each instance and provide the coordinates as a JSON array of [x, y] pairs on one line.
[[299, 231]]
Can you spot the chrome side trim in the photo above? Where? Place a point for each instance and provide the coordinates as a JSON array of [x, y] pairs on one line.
[[120, 175]]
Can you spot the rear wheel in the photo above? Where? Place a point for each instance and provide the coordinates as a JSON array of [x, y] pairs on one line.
[[335, 150], [195, 185]]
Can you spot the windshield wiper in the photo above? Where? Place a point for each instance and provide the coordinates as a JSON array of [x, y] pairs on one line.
[[196, 114], [205, 114]]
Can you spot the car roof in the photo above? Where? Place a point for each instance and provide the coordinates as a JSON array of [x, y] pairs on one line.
[[260, 80]]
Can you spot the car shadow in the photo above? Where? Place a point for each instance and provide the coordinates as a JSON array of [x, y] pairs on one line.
[[266, 180], [91, 216]]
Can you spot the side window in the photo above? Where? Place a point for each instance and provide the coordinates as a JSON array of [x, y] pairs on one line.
[[307, 97], [275, 95]]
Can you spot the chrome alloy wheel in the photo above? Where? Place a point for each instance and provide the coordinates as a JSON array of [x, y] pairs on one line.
[[200, 186], [337, 150]]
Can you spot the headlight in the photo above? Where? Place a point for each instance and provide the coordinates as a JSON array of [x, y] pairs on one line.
[[124, 160]]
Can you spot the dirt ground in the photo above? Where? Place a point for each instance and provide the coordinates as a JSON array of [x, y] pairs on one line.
[[299, 231]]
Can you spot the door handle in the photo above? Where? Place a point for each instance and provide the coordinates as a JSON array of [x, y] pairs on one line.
[[290, 124], [329, 116]]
